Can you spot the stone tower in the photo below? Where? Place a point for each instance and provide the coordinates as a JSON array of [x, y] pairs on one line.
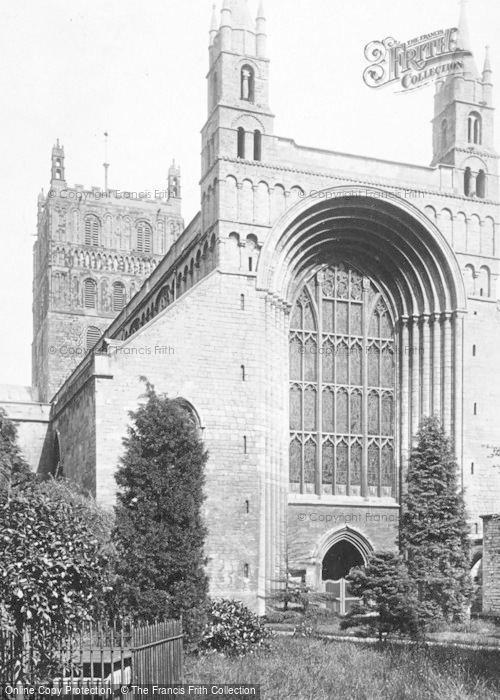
[[94, 249], [238, 133], [463, 123]]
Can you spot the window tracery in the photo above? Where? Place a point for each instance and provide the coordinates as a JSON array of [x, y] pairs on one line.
[[342, 379]]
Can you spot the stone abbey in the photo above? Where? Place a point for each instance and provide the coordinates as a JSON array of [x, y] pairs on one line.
[[313, 312]]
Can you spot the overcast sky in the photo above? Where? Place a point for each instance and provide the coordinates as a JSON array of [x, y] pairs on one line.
[[73, 69]]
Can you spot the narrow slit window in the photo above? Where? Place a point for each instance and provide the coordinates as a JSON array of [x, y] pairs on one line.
[[241, 142], [257, 145]]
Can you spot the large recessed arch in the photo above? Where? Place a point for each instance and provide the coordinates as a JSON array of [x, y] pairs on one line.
[[385, 235], [388, 239]]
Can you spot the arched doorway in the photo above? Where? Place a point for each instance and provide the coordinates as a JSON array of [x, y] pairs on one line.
[[337, 562]]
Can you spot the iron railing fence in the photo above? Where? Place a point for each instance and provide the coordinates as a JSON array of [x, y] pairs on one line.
[[99, 656]]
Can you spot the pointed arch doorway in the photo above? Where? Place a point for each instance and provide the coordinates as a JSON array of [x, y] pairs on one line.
[[337, 562]]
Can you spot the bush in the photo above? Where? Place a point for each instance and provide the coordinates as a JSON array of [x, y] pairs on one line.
[[53, 577], [388, 603], [233, 629]]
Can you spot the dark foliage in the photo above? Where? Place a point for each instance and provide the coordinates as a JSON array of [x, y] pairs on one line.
[[387, 602], [434, 533], [14, 470], [233, 629], [52, 575], [159, 533]]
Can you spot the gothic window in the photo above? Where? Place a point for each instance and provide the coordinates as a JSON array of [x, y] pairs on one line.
[[92, 229], [342, 383], [247, 83], [118, 296], [241, 142], [90, 294], [144, 237], [93, 335], [257, 145], [474, 125]]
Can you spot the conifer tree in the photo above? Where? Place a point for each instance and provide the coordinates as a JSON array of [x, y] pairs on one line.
[[159, 533], [434, 533]]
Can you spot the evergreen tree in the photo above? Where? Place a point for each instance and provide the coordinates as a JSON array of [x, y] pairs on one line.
[[387, 597], [434, 533], [13, 468], [159, 533]]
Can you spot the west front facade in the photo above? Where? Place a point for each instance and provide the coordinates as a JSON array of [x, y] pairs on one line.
[[314, 311]]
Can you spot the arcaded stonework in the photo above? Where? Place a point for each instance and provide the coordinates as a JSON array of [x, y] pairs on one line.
[[314, 311]]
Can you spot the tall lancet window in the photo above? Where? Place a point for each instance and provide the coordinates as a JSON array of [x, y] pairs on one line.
[[342, 379]]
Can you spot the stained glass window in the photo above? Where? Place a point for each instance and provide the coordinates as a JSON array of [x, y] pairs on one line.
[[329, 410], [342, 453], [356, 464], [295, 408], [328, 463], [310, 461], [373, 465], [310, 404], [295, 460], [373, 414], [387, 458], [342, 368]]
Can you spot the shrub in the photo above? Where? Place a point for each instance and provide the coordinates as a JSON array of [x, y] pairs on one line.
[[387, 602], [233, 629], [52, 577]]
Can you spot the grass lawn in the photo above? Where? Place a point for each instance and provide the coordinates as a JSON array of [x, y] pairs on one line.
[[473, 632], [310, 669]]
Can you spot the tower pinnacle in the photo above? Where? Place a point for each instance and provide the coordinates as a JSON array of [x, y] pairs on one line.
[[261, 31], [213, 26], [464, 42]]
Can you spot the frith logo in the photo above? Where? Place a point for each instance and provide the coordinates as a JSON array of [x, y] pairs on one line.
[[416, 62]]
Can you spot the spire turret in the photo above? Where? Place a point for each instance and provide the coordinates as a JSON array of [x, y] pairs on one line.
[[464, 43], [213, 26], [261, 31], [487, 79], [174, 181], [57, 170], [226, 25]]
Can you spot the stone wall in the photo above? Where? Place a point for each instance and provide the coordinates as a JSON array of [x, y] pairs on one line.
[[33, 432], [75, 426], [491, 564]]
